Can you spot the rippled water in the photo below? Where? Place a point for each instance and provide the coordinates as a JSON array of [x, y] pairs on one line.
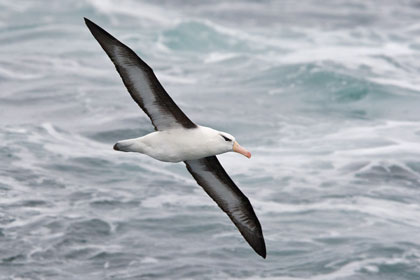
[[325, 95]]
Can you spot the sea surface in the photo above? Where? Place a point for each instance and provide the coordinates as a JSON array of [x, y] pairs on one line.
[[325, 94]]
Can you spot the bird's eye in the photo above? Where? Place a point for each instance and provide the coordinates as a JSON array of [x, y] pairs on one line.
[[226, 139]]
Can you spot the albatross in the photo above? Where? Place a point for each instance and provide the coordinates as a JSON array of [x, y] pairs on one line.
[[176, 138]]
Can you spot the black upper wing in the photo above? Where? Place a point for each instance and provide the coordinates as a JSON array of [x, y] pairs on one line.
[[209, 173], [141, 82]]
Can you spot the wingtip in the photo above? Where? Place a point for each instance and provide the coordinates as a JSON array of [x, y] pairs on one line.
[[257, 242], [90, 24], [102, 36], [87, 21], [261, 250]]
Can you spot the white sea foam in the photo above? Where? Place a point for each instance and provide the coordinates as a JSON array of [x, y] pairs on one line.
[[350, 269], [136, 9], [384, 209]]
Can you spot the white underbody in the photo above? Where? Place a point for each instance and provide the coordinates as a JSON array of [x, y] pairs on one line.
[[178, 144]]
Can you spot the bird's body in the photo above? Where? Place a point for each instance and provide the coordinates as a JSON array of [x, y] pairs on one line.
[[177, 138], [179, 144]]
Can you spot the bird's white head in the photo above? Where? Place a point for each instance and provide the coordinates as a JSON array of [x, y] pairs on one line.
[[228, 142]]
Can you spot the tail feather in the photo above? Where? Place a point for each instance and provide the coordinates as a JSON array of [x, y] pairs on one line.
[[125, 145]]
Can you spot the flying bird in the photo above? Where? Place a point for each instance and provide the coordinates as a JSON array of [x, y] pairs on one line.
[[176, 138]]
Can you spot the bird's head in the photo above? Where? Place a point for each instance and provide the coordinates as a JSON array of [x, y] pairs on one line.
[[229, 143]]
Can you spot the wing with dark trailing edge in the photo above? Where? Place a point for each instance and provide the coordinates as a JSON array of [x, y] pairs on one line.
[[141, 82], [209, 174]]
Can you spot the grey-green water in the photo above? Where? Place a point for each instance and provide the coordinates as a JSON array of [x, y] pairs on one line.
[[325, 94]]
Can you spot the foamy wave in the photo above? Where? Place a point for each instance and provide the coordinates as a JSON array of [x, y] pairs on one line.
[[387, 210], [348, 270], [141, 10]]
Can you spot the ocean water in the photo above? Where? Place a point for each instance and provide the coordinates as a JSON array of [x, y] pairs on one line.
[[325, 94]]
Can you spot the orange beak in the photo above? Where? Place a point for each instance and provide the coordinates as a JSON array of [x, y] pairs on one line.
[[237, 148]]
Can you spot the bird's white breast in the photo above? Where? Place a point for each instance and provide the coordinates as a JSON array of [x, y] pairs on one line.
[[180, 144]]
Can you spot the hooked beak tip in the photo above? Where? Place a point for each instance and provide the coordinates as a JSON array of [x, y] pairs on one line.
[[237, 148]]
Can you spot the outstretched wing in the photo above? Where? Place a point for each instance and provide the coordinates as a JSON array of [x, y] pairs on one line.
[[141, 82], [209, 173]]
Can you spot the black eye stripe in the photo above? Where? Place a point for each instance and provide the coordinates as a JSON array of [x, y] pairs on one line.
[[226, 139]]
